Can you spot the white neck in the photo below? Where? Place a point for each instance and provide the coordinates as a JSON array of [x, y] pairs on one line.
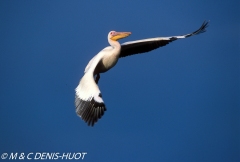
[[114, 44]]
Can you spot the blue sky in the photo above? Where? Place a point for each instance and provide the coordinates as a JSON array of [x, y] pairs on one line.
[[177, 103]]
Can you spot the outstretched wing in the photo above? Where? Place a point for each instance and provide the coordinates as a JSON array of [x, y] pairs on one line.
[[146, 45], [88, 98]]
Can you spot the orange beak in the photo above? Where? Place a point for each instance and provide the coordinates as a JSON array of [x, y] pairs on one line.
[[120, 35]]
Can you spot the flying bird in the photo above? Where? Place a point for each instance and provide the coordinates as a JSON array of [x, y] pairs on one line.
[[88, 98]]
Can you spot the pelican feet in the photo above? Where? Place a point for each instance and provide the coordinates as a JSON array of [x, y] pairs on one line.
[[97, 78]]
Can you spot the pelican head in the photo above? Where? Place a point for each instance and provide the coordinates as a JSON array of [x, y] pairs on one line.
[[113, 35]]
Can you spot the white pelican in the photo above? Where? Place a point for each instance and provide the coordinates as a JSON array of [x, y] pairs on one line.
[[88, 99]]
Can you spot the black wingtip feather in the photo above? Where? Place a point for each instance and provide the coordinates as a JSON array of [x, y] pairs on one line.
[[90, 111], [202, 29]]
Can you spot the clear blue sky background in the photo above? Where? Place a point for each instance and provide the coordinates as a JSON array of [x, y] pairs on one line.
[[177, 103]]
